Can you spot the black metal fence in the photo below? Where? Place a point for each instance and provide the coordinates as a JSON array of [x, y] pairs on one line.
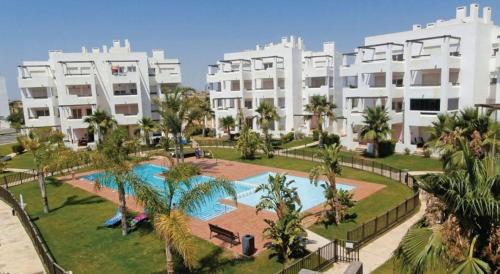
[[335, 251], [380, 224], [17, 178], [48, 261]]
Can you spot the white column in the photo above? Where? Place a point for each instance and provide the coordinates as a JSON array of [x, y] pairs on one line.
[[445, 73]]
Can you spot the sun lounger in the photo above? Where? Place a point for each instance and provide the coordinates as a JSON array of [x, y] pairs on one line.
[[138, 219], [114, 220]]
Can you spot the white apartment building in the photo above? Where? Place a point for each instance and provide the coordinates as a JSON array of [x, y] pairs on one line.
[[284, 74], [63, 90], [441, 67], [4, 103]]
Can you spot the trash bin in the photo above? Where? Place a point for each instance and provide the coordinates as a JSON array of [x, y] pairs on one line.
[[248, 245]]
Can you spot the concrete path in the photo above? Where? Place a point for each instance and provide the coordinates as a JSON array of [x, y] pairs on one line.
[[20, 170], [315, 241], [17, 253]]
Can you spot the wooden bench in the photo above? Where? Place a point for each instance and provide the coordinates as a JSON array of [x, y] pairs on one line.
[[224, 234]]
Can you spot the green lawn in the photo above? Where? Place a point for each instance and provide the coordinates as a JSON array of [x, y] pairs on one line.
[[393, 194], [295, 143], [73, 234], [401, 161], [24, 160]]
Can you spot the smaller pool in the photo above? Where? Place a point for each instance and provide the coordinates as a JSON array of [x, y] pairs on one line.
[[309, 194], [211, 209]]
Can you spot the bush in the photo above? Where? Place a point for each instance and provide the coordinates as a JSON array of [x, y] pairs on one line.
[[287, 138], [386, 148], [18, 148], [427, 152], [210, 132], [315, 135], [407, 151], [330, 139]]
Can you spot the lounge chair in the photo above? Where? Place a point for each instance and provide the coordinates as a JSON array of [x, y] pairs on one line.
[[138, 219], [114, 220]]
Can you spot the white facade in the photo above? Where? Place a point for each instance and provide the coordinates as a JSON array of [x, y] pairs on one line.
[[4, 104], [62, 91], [440, 68], [284, 74]]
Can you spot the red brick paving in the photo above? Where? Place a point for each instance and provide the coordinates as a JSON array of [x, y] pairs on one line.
[[242, 220]]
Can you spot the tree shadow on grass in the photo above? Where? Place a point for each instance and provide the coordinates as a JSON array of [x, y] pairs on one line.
[[74, 200]]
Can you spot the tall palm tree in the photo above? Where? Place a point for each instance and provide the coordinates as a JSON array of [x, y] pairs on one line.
[[49, 155], [113, 157], [228, 122], [100, 122], [180, 197], [375, 126], [174, 112], [286, 233], [206, 112], [330, 168], [319, 108], [471, 209], [146, 126], [267, 114]]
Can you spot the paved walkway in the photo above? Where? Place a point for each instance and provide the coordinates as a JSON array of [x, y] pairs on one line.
[[380, 250], [17, 253], [315, 241]]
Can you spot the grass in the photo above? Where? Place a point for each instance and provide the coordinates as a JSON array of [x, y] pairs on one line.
[[24, 160], [401, 161], [380, 202], [295, 143], [73, 234]]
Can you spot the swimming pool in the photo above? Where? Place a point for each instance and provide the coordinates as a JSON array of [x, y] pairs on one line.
[[213, 208], [309, 194]]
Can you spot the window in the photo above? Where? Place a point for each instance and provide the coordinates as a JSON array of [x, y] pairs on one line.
[[76, 113], [281, 83], [247, 84], [330, 82], [397, 82], [282, 123], [231, 103], [219, 103], [248, 103], [424, 104], [452, 103], [354, 102], [153, 90], [151, 71], [397, 104], [133, 91], [268, 65], [281, 102], [131, 68], [42, 112]]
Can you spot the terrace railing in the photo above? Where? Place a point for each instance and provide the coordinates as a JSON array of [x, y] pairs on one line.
[[323, 257], [46, 257]]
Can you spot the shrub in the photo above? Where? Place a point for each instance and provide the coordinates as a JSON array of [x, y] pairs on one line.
[[386, 148], [18, 148], [315, 135], [287, 138], [427, 152], [299, 135], [330, 139], [407, 151], [210, 132]]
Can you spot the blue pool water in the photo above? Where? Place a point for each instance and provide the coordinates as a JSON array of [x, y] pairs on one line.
[[212, 208], [309, 194]]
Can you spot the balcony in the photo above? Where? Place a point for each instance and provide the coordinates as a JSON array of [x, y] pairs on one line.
[[167, 72]]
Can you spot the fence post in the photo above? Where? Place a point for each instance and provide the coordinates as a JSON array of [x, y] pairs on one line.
[[376, 224], [335, 253], [400, 175], [373, 166], [363, 231], [397, 213], [387, 218], [352, 161]]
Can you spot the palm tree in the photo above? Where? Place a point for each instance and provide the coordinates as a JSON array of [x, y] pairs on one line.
[[330, 168], [49, 155], [376, 126], [180, 197], [320, 108], [206, 112], [146, 126], [113, 157], [469, 194], [267, 114], [228, 122], [100, 122], [248, 142], [287, 232], [174, 112]]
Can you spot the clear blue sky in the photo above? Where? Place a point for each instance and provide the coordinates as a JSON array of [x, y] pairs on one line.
[[199, 32]]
